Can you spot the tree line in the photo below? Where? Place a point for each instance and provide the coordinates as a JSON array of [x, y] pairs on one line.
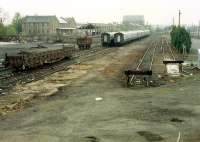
[[15, 28], [180, 39]]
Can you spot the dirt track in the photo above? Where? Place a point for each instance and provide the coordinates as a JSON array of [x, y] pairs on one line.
[[123, 115]]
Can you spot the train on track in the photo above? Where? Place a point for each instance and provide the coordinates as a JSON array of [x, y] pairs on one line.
[[120, 38]]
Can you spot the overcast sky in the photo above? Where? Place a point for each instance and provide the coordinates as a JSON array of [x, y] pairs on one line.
[[155, 11]]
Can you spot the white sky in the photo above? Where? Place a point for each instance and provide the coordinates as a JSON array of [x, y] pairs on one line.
[[155, 11]]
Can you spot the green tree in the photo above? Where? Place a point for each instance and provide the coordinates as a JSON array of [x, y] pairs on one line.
[[10, 30], [17, 23], [2, 29], [180, 38]]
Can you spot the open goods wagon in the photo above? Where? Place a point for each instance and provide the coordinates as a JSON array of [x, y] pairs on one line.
[[84, 42], [38, 56]]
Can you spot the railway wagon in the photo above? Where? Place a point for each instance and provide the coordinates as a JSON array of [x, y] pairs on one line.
[[84, 42], [121, 38], [107, 38], [36, 57]]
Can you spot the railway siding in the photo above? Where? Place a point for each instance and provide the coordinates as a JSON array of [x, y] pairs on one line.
[[153, 64]]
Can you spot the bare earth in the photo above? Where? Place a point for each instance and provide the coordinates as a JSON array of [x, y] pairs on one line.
[[74, 114]]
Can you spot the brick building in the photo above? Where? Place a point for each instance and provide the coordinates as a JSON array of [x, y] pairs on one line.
[[39, 25]]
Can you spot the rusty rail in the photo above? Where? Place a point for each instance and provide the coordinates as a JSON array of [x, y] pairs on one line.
[[142, 68]]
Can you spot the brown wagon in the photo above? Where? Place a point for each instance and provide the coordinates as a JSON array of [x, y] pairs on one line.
[[36, 57], [84, 42]]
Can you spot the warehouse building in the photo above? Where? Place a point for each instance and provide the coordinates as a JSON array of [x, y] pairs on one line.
[[134, 19], [39, 25]]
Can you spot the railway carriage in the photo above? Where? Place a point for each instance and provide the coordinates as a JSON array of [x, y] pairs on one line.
[[125, 37], [107, 39], [120, 38]]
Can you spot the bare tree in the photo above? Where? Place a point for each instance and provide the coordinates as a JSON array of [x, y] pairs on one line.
[[3, 16], [1, 19]]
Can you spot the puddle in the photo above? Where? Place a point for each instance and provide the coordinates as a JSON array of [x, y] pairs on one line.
[[98, 99], [176, 120], [92, 139], [149, 136], [8, 43]]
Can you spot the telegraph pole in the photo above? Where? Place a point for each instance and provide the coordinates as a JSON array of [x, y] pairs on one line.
[[179, 18], [198, 30], [173, 22]]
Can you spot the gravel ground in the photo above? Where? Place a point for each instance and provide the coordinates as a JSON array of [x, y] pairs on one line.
[[96, 107]]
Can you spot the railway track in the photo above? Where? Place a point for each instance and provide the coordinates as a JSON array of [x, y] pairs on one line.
[[143, 71], [167, 52], [153, 62], [147, 60], [10, 79]]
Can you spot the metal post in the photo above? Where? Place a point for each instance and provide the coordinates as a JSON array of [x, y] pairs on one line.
[[179, 18], [198, 30]]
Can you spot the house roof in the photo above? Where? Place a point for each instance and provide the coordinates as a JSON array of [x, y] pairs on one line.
[[62, 20], [87, 26], [32, 19], [69, 20], [66, 28]]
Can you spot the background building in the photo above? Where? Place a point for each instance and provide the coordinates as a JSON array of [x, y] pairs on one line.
[[66, 26], [95, 28], [134, 19], [39, 25]]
